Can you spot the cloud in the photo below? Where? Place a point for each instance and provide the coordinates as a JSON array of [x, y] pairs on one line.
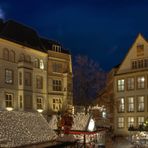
[[2, 14]]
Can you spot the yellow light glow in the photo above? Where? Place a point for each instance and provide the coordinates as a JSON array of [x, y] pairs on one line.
[[40, 110], [9, 108], [91, 125]]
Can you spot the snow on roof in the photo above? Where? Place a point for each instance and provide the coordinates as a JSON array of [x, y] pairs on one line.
[[81, 121], [23, 128]]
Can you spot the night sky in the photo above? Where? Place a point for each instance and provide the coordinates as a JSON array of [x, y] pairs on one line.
[[102, 29]]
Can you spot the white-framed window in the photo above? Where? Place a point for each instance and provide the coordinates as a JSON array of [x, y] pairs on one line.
[[56, 48], [140, 120], [130, 104], [57, 85], [41, 64], [121, 85], [9, 100], [39, 103], [140, 103], [121, 105], [131, 121], [130, 83], [8, 76], [141, 82], [39, 82], [57, 104], [120, 122]]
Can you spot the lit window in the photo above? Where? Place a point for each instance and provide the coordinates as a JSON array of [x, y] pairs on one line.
[[140, 120], [28, 78], [41, 64], [57, 85], [120, 85], [121, 105], [140, 103], [141, 82], [121, 122], [9, 100], [5, 54], [39, 82], [39, 103], [57, 105], [130, 104], [131, 121], [130, 83], [8, 76]]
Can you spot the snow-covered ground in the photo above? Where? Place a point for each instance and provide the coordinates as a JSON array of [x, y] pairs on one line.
[[23, 128]]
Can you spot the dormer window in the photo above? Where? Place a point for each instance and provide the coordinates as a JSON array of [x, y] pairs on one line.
[[56, 48]]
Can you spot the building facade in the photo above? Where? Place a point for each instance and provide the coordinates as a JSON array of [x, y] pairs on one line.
[[131, 88], [35, 73]]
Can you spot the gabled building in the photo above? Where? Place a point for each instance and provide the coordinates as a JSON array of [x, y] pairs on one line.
[[131, 88], [35, 73]]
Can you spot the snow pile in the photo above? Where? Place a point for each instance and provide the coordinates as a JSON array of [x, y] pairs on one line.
[[80, 121], [53, 122], [23, 128]]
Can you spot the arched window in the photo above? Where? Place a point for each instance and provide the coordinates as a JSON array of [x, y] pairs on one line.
[[5, 54], [28, 58], [36, 63], [22, 57], [41, 64], [12, 56]]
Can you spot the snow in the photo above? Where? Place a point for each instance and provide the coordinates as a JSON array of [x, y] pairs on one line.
[[23, 128]]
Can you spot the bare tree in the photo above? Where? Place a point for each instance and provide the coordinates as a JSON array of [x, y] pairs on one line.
[[88, 79]]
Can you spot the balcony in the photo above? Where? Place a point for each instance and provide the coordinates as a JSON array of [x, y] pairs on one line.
[[25, 64]]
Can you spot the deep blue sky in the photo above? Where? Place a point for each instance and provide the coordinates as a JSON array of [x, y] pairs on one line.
[[102, 29]]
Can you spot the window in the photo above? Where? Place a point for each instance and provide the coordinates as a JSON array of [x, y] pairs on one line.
[[130, 83], [140, 63], [57, 67], [121, 106], [12, 56], [21, 102], [39, 103], [22, 57], [9, 100], [57, 105], [57, 85], [41, 64], [20, 78], [5, 54], [140, 50], [8, 76], [141, 82], [120, 85], [28, 79], [140, 120], [56, 48], [121, 122], [140, 103], [39, 82], [36, 63], [130, 104], [131, 121]]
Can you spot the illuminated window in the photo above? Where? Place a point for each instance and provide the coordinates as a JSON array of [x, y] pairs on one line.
[[8, 76], [121, 106], [141, 82], [39, 82], [140, 120], [12, 56], [130, 83], [39, 103], [5, 54], [57, 85], [28, 78], [121, 85], [140, 103], [57, 104], [131, 121], [9, 100], [130, 104], [121, 122], [41, 64]]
